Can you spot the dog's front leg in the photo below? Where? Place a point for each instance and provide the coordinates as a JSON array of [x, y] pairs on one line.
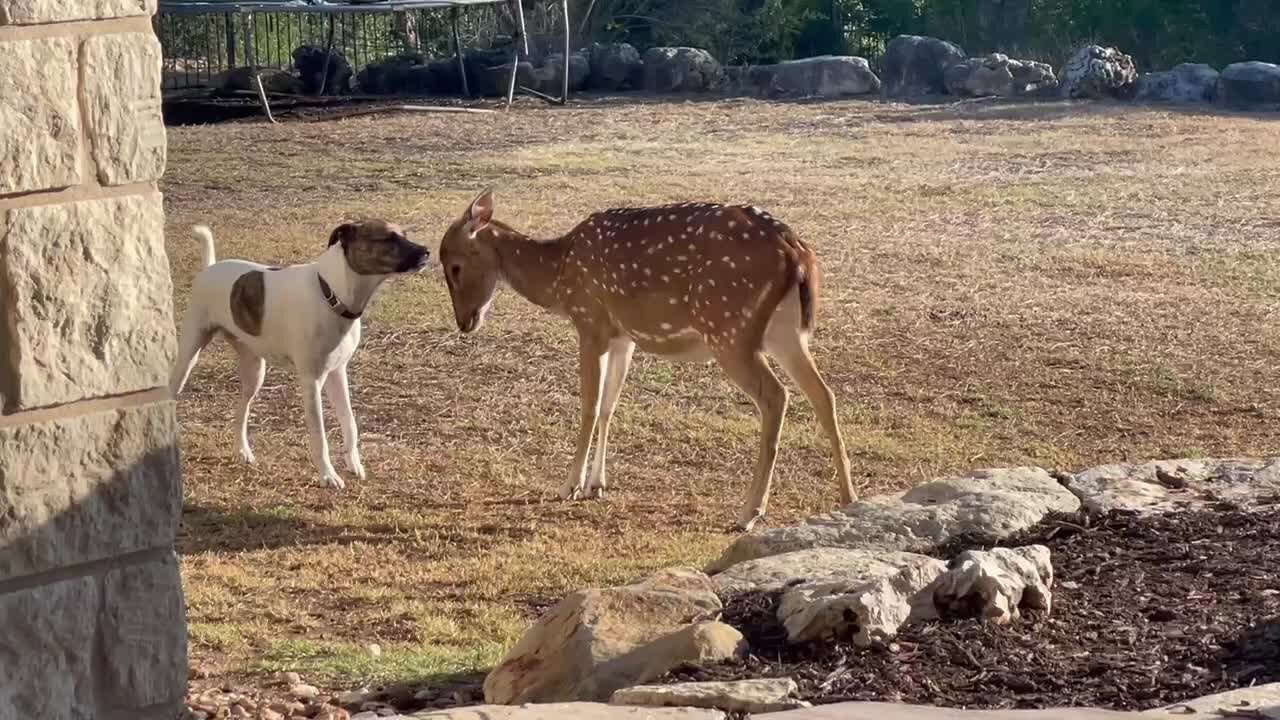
[[309, 386], [335, 386]]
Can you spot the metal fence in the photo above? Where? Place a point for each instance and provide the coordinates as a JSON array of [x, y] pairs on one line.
[[199, 42]]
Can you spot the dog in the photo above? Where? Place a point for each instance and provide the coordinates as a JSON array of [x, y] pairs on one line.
[[308, 314]]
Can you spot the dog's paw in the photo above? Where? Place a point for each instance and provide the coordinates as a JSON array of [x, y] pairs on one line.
[[246, 456], [332, 481], [355, 466]]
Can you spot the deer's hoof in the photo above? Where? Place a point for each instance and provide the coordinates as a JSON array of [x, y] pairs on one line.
[[746, 524]]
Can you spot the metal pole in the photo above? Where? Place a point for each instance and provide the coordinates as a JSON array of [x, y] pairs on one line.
[[564, 85], [457, 49], [515, 52], [328, 51]]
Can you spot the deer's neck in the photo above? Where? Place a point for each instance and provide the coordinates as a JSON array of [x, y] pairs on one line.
[[529, 266]]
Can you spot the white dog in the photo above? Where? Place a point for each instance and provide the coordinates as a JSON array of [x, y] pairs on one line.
[[308, 314]]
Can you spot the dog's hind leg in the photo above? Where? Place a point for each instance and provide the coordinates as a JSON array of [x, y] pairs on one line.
[[196, 333], [252, 369], [309, 387], [335, 386]]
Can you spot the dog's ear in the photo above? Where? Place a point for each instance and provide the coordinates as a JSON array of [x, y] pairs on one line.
[[480, 212], [344, 233]]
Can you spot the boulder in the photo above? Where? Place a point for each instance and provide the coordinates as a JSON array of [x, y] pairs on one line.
[[615, 66], [390, 75], [818, 565], [309, 61], [997, 75], [995, 503], [568, 711], [680, 69], [825, 76], [549, 78], [1169, 485], [916, 65], [275, 81], [1098, 72], [600, 640], [867, 610], [742, 696], [996, 584], [1261, 702], [1249, 84], [1185, 83]]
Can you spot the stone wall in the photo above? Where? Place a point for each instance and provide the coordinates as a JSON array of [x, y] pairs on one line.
[[92, 621]]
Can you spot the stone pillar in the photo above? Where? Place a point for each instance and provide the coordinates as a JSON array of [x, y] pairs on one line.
[[92, 621]]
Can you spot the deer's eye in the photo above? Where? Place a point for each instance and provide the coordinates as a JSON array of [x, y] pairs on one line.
[[455, 271]]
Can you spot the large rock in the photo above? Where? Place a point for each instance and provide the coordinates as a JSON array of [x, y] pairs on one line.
[[39, 12], [817, 565], [1098, 72], [995, 503], [1261, 702], [1249, 84], [1185, 83], [389, 75], [86, 488], [597, 641], [568, 711], [997, 584], [825, 76], [310, 62], [616, 66], [897, 711], [867, 609], [916, 65], [680, 69], [273, 80], [46, 656], [997, 75], [549, 78], [40, 116], [741, 696], [1169, 485], [88, 308]]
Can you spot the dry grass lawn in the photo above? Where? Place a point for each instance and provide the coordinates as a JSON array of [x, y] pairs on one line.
[[1058, 284]]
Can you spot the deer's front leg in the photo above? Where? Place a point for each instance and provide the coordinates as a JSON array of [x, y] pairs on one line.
[[592, 357]]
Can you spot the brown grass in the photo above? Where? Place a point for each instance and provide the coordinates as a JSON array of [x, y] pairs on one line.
[[1056, 284]]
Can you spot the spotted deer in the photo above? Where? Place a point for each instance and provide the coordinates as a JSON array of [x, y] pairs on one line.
[[692, 282]]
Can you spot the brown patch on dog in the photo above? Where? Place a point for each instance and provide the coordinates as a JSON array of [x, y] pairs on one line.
[[248, 295], [377, 247]]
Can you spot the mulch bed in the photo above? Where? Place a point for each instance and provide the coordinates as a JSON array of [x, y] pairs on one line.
[[1146, 612]]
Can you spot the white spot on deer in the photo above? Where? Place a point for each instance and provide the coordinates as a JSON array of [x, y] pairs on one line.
[[671, 217], [686, 298], [688, 229], [733, 224], [711, 281], [719, 213], [665, 326]]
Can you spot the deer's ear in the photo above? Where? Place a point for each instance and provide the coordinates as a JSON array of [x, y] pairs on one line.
[[480, 212], [343, 233]]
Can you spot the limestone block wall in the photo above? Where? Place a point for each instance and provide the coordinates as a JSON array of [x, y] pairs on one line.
[[92, 621]]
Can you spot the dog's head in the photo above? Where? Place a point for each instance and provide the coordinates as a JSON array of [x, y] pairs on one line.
[[377, 247], [471, 265]]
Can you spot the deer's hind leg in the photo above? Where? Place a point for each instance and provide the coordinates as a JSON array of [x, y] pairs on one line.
[[786, 342]]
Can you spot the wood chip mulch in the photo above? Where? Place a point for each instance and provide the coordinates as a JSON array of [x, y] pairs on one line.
[[1146, 612]]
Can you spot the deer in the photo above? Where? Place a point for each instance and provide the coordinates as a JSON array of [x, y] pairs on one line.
[[690, 282]]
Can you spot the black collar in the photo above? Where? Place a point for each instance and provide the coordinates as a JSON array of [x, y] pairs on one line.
[[335, 304]]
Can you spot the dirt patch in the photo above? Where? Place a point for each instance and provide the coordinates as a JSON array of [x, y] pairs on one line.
[[1147, 612]]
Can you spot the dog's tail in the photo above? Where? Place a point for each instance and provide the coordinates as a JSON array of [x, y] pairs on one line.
[[205, 236]]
